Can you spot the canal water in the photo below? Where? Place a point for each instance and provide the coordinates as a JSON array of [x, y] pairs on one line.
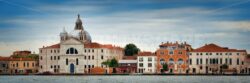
[[124, 79]]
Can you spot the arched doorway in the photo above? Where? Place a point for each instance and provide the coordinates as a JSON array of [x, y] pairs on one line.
[[72, 68]]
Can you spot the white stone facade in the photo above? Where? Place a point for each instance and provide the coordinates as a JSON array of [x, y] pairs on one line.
[[209, 59], [76, 54], [146, 63]]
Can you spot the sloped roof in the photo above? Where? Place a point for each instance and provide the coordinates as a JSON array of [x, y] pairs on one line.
[[15, 59], [215, 48], [97, 45], [53, 46], [146, 54]]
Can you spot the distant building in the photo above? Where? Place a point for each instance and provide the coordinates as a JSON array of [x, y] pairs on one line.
[[175, 55], [18, 65], [210, 58], [76, 53], [21, 53], [146, 62]]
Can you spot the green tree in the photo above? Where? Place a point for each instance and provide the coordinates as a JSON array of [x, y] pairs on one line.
[[165, 67], [111, 63], [224, 66], [131, 49]]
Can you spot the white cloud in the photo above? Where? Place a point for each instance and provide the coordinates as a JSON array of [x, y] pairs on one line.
[[146, 28]]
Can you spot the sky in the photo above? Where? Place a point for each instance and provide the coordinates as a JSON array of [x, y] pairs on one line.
[[32, 24]]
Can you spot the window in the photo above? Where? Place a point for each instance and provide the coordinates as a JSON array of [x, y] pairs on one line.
[[140, 59], [226, 60], [225, 53], [85, 50], [197, 53], [200, 60], [51, 66], [190, 61], [33, 64], [54, 57], [150, 59], [149, 64], [220, 53], [162, 61], [171, 52], [238, 53], [28, 64], [41, 58], [41, 67], [230, 53], [89, 57], [238, 61], [210, 53], [3, 65], [58, 57], [85, 57], [171, 61], [179, 52], [41, 51], [93, 66], [217, 53], [200, 53], [230, 61], [24, 64], [51, 51], [102, 50], [206, 61], [16, 64], [72, 51], [220, 60], [51, 58], [140, 64], [190, 53], [102, 57], [92, 50], [197, 61], [206, 53], [93, 57], [77, 61], [180, 61], [67, 62]]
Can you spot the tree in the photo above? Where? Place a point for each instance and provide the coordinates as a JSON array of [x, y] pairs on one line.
[[224, 66], [131, 49], [165, 67], [111, 63]]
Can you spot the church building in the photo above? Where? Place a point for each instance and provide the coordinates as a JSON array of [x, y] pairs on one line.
[[76, 53]]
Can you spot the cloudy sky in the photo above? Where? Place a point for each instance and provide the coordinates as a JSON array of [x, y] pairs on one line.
[[31, 24]]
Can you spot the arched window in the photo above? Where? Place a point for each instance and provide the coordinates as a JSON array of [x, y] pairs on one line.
[[180, 61], [162, 61], [71, 51], [171, 61], [77, 61]]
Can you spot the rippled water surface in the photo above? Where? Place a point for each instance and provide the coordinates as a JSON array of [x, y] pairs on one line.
[[125, 79]]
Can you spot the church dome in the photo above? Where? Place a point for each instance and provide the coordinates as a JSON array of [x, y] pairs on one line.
[[78, 33]]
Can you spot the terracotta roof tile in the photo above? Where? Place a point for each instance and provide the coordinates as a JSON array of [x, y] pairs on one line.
[[146, 54], [53, 46], [16, 59], [215, 48], [97, 45]]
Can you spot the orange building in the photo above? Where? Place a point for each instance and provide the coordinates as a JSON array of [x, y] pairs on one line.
[[175, 55]]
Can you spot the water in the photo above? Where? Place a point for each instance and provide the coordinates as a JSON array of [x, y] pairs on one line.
[[124, 79]]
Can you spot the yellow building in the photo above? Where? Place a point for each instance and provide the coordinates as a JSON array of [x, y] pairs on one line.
[[18, 66]]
